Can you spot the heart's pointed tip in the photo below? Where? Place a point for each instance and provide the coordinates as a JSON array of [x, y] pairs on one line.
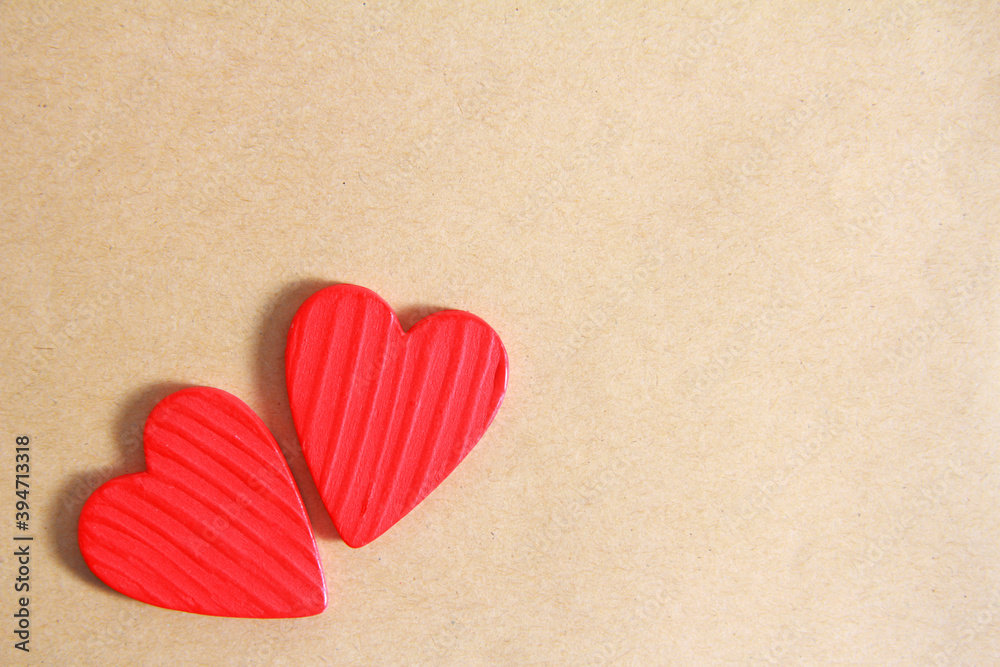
[[356, 542], [313, 604]]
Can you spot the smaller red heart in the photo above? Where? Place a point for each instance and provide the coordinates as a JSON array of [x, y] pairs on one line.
[[215, 525]]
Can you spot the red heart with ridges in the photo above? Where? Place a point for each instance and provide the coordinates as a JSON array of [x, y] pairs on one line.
[[384, 416], [215, 525]]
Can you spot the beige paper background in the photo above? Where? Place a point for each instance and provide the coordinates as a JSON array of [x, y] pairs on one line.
[[743, 259]]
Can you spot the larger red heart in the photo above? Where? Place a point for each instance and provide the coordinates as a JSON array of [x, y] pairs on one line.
[[215, 525], [383, 417]]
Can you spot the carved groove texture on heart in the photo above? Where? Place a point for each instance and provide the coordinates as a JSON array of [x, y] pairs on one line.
[[215, 525], [383, 417]]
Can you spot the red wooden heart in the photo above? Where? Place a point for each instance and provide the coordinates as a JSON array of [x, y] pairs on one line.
[[383, 416], [215, 525]]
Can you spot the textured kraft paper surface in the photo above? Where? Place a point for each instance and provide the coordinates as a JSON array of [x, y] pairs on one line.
[[743, 258]]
